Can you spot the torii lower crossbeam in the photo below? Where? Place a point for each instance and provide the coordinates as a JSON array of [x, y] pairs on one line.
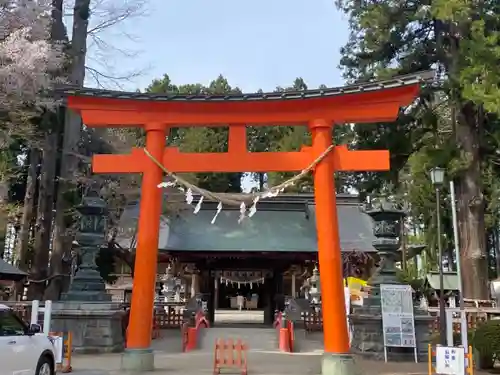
[[178, 162]]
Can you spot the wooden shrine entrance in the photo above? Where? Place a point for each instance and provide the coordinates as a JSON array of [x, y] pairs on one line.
[[319, 109], [243, 296]]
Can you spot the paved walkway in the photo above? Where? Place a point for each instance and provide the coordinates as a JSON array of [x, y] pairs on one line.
[[169, 359], [199, 363]]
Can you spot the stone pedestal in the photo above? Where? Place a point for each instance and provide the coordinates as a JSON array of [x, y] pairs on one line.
[[338, 364], [368, 338], [138, 361], [96, 327]]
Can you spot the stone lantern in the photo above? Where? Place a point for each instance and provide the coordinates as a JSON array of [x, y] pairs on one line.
[[387, 225], [169, 285], [87, 283], [86, 309], [315, 289], [366, 321]]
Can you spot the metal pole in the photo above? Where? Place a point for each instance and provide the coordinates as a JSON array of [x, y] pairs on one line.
[[455, 240], [442, 311], [403, 244], [459, 265]]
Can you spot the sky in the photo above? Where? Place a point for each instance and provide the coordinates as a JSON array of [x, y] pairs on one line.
[[258, 44]]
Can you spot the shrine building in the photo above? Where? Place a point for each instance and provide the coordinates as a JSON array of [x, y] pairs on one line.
[[266, 259]]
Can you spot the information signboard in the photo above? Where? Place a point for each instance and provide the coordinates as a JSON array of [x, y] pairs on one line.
[[450, 360], [398, 321]]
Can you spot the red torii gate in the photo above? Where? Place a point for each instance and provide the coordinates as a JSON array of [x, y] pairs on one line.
[[320, 109]]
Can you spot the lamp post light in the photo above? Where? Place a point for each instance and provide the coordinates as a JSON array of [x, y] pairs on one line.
[[437, 178]]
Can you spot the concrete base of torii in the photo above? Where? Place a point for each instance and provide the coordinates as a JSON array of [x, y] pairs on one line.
[[138, 360], [338, 364]]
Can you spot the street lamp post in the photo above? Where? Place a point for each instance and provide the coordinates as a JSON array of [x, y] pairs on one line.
[[437, 178]]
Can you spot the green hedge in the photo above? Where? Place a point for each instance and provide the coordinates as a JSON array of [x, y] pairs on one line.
[[485, 341]]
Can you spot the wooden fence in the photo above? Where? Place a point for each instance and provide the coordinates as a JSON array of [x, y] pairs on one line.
[[313, 321], [475, 316], [165, 315]]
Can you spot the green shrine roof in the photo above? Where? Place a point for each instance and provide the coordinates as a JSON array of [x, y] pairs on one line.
[[284, 224], [265, 231]]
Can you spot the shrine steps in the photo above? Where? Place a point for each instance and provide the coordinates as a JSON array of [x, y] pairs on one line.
[[257, 339], [238, 316], [308, 342]]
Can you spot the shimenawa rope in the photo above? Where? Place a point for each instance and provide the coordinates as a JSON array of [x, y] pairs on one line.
[[236, 199]]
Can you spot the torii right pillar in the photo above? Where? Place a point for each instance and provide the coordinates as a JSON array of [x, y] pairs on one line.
[[337, 359]]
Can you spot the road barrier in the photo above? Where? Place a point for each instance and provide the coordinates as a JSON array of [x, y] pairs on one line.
[[63, 347], [190, 334], [155, 332], [460, 362], [285, 332], [291, 334], [284, 340], [230, 355]]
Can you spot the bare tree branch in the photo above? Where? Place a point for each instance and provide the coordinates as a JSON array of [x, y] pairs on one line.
[[107, 13], [106, 49], [108, 29], [104, 80]]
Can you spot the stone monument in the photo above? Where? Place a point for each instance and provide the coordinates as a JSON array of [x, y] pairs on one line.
[[86, 309], [366, 321]]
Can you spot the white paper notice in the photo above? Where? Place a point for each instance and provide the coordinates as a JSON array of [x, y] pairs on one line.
[[450, 360]]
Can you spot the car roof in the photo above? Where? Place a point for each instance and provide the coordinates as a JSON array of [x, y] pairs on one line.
[[4, 307]]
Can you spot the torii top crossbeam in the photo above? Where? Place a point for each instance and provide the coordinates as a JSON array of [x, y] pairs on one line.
[[368, 102], [319, 109]]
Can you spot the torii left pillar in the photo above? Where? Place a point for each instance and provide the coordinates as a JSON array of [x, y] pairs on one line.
[[139, 356], [336, 357]]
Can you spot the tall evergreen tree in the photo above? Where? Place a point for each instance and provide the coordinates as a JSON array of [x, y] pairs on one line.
[[460, 40]]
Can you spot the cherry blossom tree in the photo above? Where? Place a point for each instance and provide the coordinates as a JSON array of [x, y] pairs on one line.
[[30, 62], [28, 58]]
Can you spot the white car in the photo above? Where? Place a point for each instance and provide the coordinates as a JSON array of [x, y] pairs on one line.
[[23, 349]]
